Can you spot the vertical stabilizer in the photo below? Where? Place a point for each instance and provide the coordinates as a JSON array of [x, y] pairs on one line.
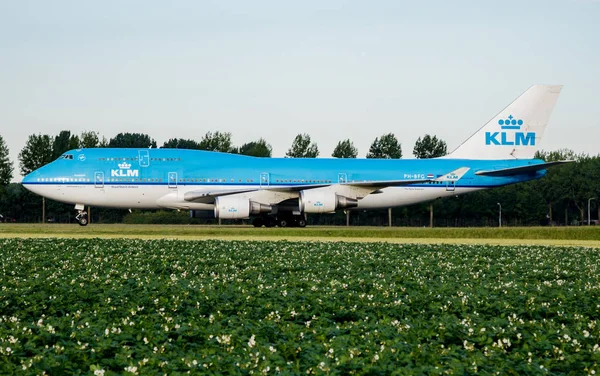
[[515, 133]]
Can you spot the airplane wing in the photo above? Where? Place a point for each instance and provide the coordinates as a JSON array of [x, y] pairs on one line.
[[365, 187], [451, 176], [209, 194], [520, 170]]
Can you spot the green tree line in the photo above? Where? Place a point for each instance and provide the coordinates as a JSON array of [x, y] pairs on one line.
[[559, 198]]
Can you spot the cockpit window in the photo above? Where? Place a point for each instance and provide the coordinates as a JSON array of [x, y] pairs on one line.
[[66, 156]]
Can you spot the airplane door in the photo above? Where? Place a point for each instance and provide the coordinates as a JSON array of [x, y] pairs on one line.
[[264, 179], [450, 186], [172, 180], [342, 178], [144, 158], [99, 179]]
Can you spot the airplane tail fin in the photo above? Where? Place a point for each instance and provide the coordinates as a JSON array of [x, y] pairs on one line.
[[516, 131]]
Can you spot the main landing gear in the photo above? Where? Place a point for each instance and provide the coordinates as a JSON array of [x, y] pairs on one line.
[[280, 220], [82, 215]]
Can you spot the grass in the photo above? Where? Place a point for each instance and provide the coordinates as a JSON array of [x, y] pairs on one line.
[[589, 236]]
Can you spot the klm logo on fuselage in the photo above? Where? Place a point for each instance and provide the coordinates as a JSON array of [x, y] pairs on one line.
[[504, 138], [124, 171]]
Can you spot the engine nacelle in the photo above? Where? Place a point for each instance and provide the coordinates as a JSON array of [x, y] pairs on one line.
[[315, 201], [238, 208]]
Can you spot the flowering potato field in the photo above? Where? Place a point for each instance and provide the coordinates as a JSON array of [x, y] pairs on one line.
[[111, 306]]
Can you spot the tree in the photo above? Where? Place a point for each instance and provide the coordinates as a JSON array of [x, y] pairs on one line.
[[6, 165], [345, 149], [555, 187], [64, 142], [91, 139], [303, 148], [36, 153], [180, 143], [582, 173], [385, 147], [217, 142], [556, 155], [258, 148], [429, 147], [131, 140]]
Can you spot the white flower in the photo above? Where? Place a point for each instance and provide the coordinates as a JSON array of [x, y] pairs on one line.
[[224, 339], [251, 342], [99, 372], [131, 369]]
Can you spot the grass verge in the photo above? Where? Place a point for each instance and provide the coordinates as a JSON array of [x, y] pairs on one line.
[[587, 235]]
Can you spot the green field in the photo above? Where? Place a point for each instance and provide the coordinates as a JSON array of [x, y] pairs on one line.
[[584, 236], [123, 306]]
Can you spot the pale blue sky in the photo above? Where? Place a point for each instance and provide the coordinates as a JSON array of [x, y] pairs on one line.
[[272, 69]]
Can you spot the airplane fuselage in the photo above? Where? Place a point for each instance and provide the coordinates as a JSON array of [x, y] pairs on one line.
[[161, 178]]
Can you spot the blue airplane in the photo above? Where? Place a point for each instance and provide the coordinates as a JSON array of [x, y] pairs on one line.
[[279, 191]]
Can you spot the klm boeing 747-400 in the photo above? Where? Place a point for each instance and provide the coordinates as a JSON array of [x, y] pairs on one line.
[[279, 191]]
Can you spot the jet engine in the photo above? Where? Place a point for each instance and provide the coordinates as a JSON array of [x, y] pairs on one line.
[[314, 201], [238, 208]]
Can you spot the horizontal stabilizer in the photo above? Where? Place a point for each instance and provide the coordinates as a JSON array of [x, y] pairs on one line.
[[520, 170]]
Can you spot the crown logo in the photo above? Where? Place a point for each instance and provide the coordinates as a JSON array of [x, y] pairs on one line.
[[510, 123], [124, 166]]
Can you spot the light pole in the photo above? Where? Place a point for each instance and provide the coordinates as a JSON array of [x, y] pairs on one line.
[[499, 215], [589, 200]]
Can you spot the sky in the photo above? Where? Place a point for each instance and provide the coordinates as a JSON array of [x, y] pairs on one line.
[[333, 69]]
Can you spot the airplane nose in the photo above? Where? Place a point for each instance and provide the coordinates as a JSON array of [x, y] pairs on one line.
[[27, 178], [29, 181]]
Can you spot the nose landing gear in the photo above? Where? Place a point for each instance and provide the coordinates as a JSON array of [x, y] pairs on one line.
[[82, 215]]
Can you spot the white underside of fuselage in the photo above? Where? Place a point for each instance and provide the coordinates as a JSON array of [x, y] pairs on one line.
[[164, 197]]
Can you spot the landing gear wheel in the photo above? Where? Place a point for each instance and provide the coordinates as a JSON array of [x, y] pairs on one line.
[[83, 220], [301, 223], [283, 223], [257, 222]]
